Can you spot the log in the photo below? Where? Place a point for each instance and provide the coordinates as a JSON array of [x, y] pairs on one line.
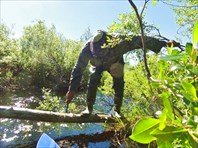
[[48, 116]]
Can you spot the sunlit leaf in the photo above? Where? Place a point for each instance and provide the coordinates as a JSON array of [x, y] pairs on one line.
[[168, 130], [154, 2], [163, 117], [168, 135], [172, 57], [193, 55], [167, 104], [188, 48], [170, 51], [190, 91], [142, 130], [161, 72], [195, 111], [174, 67], [195, 35], [175, 52]]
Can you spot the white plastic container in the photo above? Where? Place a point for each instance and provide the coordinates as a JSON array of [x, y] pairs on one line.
[[46, 142]]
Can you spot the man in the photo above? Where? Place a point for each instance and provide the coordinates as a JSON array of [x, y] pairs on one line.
[[104, 58]]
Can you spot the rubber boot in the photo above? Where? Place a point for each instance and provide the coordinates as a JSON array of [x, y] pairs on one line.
[[92, 89], [91, 97], [118, 104], [89, 109]]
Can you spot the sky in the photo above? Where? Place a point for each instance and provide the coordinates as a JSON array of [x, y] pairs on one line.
[[72, 18]]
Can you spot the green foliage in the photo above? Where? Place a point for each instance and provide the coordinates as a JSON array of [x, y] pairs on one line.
[[177, 123], [154, 2], [44, 58], [127, 24], [50, 102], [142, 133], [186, 16], [47, 56], [42, 52], [195, 35], [41, 58], [9, 57]]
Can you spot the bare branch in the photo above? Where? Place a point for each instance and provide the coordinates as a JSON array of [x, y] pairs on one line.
[[142, 38], [195, 6], [164, 38], [146, 1]]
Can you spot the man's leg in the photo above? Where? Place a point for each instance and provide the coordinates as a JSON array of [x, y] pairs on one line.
[[92, 87], [117, 72], [118, 85]]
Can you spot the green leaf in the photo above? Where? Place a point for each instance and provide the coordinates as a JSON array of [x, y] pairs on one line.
[[142, 130], [168, 130], [190, 91], [163, 117], [175, 52], [154, 2], [188, 48], [195, 35], [187, 96], [172, 57], [168, 135], [176, 67], [170, 51], [167, 104], [193, 55], [161, 72]]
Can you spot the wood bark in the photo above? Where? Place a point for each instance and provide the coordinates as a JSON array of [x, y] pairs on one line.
[[48, 116]]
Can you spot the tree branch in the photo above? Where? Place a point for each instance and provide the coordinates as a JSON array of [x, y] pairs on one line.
[[146, 1], [164, 38], [48, 116], [184, 6], [142, 37]]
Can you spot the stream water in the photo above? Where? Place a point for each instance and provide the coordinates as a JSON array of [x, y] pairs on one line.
[[23, 133]]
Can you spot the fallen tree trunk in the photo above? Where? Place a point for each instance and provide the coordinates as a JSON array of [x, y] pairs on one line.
[[48, 116]]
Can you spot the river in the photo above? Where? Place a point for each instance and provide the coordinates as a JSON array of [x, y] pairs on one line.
[[23, 133]]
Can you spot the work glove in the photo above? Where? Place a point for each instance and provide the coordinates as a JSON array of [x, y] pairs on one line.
[[170, 42], [69, 96]]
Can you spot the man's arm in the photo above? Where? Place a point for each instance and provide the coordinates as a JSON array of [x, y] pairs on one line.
[[77, 72], [151, 43]]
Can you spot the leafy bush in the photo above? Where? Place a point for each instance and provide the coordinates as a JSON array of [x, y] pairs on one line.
[[41, 58], [47, 57], [178, 121], [10, 52], [50, 102]]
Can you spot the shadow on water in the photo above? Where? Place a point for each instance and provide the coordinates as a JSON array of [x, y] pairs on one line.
[[23, 133]]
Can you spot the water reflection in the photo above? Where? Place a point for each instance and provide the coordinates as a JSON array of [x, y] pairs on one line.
[[100, 144], [21, 132]]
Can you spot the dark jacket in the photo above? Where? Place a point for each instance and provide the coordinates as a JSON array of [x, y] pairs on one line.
[[110, 56]]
